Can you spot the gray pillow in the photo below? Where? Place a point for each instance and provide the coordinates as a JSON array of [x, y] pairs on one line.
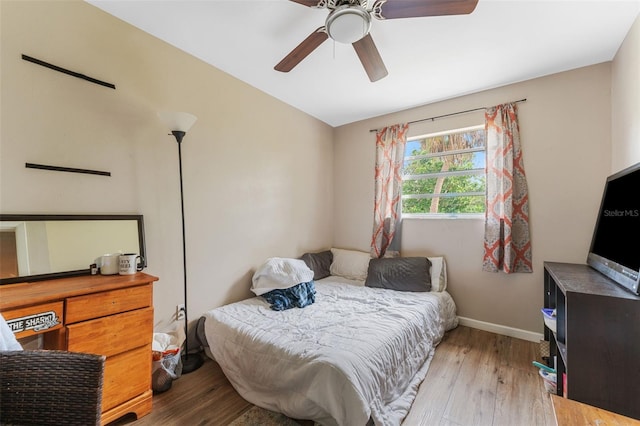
[[400, 273], [319, 263]]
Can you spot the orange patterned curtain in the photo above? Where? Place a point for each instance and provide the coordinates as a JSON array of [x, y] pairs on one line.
[[390, 143], [507, 243]]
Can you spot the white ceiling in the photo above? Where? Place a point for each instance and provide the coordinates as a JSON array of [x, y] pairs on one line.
[[429, 59]]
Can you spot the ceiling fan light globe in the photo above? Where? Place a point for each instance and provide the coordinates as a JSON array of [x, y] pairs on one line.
[[348, 24]]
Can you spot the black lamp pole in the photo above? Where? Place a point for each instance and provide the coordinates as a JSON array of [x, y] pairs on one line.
[[190, 362]]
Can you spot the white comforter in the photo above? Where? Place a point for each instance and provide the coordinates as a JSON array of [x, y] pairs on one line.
[[356, 353]]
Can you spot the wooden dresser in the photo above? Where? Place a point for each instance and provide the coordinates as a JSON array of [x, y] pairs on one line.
[[111, 315]]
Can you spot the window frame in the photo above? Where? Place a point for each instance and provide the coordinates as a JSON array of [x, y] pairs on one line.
[[438, 174]]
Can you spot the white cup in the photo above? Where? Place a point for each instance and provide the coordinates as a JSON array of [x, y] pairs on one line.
[[129, 263], [109, 264]]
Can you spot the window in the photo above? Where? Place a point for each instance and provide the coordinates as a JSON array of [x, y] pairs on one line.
[[444, 173]]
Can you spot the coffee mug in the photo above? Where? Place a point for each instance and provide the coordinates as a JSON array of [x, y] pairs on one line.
[[129, 263], [109, 264]]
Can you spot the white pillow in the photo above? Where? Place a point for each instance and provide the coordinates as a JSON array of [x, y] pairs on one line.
[[438, 273], [280, 273], [351, 264]]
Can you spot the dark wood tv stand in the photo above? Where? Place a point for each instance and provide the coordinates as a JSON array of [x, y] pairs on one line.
[[597, 339]]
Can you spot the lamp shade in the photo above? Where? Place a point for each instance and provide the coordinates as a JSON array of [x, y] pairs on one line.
[[180, 121]]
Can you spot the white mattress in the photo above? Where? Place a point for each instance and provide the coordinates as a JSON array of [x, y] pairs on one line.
[[356, 353]]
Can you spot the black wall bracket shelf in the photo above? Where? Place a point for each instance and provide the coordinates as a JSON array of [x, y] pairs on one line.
[[66, 71], [65, 169]]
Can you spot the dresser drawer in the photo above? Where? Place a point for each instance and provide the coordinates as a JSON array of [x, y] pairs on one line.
[[98, 305], [126, 376], [113, 334], [36, 319]]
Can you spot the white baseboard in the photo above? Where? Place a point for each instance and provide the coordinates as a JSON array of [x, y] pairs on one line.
[[501, 329]]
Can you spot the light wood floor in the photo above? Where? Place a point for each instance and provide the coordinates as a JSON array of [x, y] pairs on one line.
[[476, 378]]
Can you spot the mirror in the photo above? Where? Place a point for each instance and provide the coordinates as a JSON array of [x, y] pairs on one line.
[[38, 247]]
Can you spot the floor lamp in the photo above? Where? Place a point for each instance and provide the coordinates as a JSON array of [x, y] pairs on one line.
[[179, 123]]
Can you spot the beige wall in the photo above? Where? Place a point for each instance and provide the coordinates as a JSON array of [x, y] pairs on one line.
[[565, 132], [256, 171], [625, 101]]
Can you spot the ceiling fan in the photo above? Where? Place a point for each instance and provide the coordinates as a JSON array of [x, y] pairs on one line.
[[349, 21]]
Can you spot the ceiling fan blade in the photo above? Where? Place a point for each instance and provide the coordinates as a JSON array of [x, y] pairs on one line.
[[393, 9], [307, 46], [310, 3], [370, 58]]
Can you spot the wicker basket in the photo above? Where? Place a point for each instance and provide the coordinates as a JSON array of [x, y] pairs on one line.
[[544, 349]]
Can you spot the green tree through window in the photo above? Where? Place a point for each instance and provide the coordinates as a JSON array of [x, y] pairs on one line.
[[445, 173]]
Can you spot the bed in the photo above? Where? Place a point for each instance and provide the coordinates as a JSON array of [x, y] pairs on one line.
[[356, 355]]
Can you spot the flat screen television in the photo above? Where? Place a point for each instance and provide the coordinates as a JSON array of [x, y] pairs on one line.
[[614, 247]]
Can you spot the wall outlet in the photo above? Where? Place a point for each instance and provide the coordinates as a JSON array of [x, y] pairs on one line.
[[180, 312]]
